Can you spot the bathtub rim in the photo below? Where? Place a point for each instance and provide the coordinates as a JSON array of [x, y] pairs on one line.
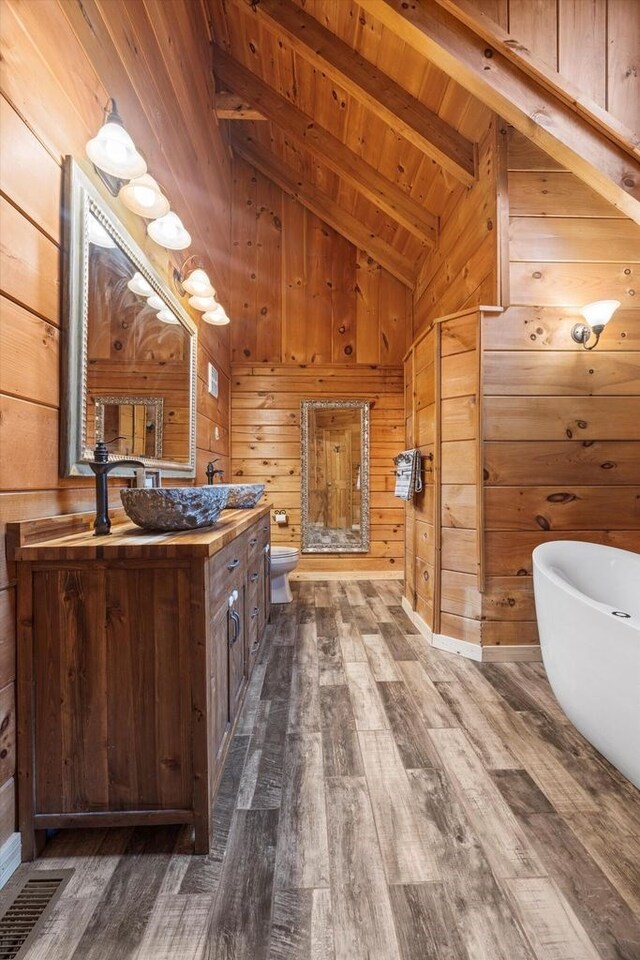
[[547, 570]]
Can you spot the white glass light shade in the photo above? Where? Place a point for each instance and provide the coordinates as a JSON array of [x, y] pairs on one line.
[[113, 151], [144, 197], [598, 313], [98, 235], [139, 285], [198, 284], [217, 317], [156, 302], [167, 316], [169, 232], [203, 303]]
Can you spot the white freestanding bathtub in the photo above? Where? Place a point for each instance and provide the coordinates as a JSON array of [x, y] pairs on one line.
[[588, 610]]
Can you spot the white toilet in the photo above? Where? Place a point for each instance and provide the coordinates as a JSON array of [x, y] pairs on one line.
[[283, 561]]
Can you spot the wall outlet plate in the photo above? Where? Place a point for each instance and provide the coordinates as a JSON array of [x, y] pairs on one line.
[[213, 380]]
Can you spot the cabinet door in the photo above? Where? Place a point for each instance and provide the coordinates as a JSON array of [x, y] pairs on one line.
[[219, 680], [236, 651], [266, 583]]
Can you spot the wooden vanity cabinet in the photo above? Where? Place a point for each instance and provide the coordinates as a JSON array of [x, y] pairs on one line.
[[134, 656]]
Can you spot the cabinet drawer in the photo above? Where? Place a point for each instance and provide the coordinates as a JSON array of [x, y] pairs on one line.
[[225, 567]]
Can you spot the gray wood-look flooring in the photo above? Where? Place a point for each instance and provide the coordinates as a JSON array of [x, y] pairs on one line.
[[381, 801]]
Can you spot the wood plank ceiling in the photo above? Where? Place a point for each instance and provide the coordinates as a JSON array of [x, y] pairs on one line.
[[360, 127]]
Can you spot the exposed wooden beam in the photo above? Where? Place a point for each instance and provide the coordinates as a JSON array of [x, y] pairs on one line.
[[534, 109], [326, 148], [468, 13], [362, 80], [324, 207], [229, 106]]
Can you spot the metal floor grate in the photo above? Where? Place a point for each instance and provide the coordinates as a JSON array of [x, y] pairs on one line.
[[27, 910]]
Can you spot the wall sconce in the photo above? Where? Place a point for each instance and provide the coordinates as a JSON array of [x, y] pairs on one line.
[[597, 315], [169, 232], [194, 282], [144, 197], [113, 152], [216, 317]]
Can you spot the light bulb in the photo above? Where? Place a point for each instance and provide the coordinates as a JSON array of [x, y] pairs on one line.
[[217, 317], [203, 303], [167, 316], [169, 232], [156, 302], [139, 285], [198, 284], [144, 197]]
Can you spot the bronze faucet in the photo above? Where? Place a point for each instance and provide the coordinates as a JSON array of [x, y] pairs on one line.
[[101, 467], [211, 473]]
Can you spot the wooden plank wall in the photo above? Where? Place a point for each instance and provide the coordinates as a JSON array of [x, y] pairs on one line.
[[300, 292], [314, 317], [60, 63], [593, 43], [561, 425], [265, 427], [462, 271]]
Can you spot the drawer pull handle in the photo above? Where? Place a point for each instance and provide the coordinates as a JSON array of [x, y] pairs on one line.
[[255, 647], [253, 577], [235, 620], [253, 541], [254, 613], [233, 564]]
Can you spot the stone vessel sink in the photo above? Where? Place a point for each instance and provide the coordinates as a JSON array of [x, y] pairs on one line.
[[174, 508], [241, 495]]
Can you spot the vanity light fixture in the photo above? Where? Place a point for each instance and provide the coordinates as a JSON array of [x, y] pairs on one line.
[[144, 197], [203, 303], [113, 152], [98, 236], [167, 316], [155, 302], [216, 317], [193, 280], [169, 232], [139, 286], [597, 315]]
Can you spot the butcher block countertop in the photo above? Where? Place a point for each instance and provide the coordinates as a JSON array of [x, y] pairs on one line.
[[126, 541]]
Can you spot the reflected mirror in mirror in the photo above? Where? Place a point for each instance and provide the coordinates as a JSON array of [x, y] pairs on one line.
[[132, 426], [335, 476], [131, 359]]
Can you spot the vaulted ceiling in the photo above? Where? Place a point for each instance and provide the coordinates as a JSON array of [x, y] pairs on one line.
[[344, 110]]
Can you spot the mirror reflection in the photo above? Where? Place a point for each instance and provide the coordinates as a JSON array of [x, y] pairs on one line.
[[131, 358], [335, 472]]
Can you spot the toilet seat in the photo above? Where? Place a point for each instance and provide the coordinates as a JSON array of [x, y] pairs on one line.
[[284, 552]]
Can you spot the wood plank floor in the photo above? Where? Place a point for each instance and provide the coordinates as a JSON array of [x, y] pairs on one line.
[[381, 801]]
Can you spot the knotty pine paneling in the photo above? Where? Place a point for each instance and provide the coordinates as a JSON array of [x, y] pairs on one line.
[[462, 271], [61, 61], [265, 448], [561, 426], [591, 43], [300, 292]]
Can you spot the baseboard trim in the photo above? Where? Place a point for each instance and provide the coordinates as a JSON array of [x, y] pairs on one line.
[[509, 653], [346, 575], [10, 857], [464, 648], [526, 652]]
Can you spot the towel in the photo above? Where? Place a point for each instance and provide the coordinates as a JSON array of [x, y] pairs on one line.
[[408, 474]]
